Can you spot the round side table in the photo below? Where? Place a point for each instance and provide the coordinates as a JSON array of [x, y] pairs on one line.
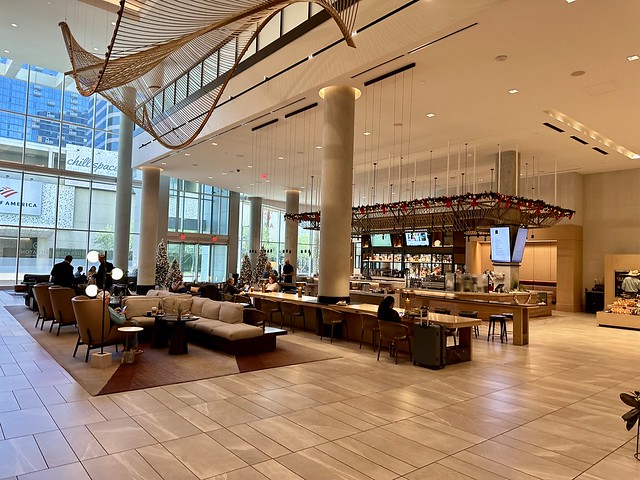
[[127, 354]]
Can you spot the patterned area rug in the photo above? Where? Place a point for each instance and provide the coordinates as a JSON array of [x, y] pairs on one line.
[[155, 367]]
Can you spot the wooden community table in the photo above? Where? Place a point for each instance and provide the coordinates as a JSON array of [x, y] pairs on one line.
[[463, 351]]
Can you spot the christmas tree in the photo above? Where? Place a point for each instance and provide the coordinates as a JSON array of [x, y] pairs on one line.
[[245, 271], [162, 265], [174, 273], [261, 265]]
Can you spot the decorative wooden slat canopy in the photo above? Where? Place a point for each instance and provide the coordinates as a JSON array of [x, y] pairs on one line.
[[156, 43], [469, 213]]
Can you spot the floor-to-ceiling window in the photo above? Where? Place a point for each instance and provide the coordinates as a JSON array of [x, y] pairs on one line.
[[198, 230], [58, 169]]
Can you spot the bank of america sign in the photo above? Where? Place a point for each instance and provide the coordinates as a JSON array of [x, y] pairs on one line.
[[15, 196]]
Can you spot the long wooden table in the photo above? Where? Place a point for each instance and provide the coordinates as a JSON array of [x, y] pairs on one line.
[[462, 352]]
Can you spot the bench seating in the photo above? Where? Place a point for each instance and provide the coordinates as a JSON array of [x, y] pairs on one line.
[[219, 327]]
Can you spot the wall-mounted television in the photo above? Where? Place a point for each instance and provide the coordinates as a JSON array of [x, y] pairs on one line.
[[417, 239], [518, 245], [500, 245], [380, 240]]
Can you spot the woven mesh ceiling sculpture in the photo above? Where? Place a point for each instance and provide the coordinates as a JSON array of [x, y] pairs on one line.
[[159, 49]]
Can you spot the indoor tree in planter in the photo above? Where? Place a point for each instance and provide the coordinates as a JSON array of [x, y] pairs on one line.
[[633, 415]]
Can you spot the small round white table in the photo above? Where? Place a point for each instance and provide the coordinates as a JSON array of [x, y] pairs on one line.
[[127, 355]]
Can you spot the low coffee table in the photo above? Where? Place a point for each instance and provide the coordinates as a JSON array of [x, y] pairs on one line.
[[178, 338]]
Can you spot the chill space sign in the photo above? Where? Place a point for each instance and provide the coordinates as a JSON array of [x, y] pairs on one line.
[[104, 163]]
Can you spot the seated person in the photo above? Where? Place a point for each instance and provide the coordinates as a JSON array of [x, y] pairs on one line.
[[631, 284], [273, 285], [118, 319], [179, 286], [230, 287], [80, 277], [386, 311]]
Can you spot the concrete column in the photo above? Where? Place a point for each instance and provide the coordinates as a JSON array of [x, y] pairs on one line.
[[234, 225], [507, 168], [291, 229], [148, 229], [123, 189], [255, 227], [163, 208], [335, 204]]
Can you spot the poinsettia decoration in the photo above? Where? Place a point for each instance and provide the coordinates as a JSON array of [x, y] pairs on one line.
[[632, 416]]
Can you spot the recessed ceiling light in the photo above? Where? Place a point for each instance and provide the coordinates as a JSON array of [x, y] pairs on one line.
[[513, 91], [237, 187], [210, 177], [431, 115], [14, 25], [318, 147], [267, 181], [367, 133], [96, 49], [113, 23], [163, 163], [187, 154], [251, 184], [633, 58], [224, 173], [280, 158], [570, 1], [249, 166], [6, 51], [214, 144]]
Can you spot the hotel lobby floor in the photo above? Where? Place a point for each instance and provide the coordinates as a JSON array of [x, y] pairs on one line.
[[550, 410]]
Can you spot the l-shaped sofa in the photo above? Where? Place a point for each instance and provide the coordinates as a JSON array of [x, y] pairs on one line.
[[219, 327]]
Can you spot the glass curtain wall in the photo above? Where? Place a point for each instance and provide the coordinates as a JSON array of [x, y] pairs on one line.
[[273, 239], [200, 212], [58, 166]]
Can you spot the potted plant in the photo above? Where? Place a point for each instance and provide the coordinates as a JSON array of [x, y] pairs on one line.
[[633, 415]]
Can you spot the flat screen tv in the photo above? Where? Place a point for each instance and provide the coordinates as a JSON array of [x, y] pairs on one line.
[[518, 245], [380, 240], [500, 245], [417, 239]]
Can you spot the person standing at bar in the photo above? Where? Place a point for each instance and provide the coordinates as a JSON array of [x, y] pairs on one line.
[[287, 272]]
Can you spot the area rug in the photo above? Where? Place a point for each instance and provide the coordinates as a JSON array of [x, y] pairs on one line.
[[155, 367]]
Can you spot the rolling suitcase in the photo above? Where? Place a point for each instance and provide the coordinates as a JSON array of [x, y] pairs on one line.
[[429, 346]]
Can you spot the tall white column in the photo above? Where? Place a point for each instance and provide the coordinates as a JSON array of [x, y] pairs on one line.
[[123, 190], [148, 229], [335, 203], [291, 229]]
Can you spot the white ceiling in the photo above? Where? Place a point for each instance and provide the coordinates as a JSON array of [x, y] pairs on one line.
[[457, 78]]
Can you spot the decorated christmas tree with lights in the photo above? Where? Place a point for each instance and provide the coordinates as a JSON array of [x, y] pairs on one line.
[[162, 265]]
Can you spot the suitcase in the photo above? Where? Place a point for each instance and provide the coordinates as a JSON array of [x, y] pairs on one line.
[[429, 346]]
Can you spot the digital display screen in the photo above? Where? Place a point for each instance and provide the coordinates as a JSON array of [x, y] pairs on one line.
[[518, 245], [417, 239], [380, 240], [500, 245]]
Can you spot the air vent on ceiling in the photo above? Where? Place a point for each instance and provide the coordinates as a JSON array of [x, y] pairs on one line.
[[579, 140], [553, 127], [599, 150]]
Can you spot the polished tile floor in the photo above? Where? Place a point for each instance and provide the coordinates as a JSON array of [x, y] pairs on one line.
[[550, 410]]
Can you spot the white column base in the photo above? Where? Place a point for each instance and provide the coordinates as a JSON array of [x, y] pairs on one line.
[[101, 360]]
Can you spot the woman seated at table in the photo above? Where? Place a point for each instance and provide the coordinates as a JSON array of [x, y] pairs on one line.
[[273, 285], [386, 311]]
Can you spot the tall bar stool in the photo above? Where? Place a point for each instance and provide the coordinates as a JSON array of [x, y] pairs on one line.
[[509, 318], [492, 327], [471, 314], [292, 310], [369, 322], [451, 332]]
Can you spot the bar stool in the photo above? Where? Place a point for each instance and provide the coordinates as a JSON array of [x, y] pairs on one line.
[[451, 332], [492, 327], [509, 317], [292, 310], [471, 314]]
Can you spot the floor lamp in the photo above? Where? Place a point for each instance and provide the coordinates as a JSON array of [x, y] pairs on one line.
[[92, 290]]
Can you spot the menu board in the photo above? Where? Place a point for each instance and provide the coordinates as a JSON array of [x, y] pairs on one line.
[[500, 245], [417, 239], [518, 245]]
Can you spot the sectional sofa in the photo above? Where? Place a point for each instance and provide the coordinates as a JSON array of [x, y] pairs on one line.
[[219, 327]]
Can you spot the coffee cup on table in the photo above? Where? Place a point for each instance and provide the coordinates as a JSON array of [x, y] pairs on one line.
[[148, 313]]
